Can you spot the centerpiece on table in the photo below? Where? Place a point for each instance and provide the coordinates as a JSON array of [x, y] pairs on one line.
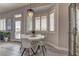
[[33, 33]]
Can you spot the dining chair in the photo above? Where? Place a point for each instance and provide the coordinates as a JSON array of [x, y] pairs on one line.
[[26, 44], [42, 44]]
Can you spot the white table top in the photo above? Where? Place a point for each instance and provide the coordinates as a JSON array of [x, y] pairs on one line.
[[30, 37]]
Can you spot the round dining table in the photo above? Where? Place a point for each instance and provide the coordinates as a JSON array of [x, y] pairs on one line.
[[34, 38]]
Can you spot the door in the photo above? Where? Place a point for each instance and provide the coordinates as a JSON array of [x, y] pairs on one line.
[[72, 29], [17, 30]]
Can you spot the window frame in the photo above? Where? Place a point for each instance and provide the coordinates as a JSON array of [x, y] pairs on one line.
[[77, 19], [17, 31], [27, 30], [3, 24], [17, 28], [40, 15], [39, 25], [14, 23], [52, 11]]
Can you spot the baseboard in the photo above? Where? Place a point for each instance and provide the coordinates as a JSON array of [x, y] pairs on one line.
[[15, 40], [58, 48]]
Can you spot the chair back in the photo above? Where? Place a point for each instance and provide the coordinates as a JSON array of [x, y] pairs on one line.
[[26, 43]]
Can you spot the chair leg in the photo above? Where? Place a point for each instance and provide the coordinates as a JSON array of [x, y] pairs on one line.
[[45, 48], [43, 51], [33, 52], [23, 51]]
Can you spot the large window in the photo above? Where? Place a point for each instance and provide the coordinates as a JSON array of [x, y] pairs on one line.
[[17, 15], [77, 19], [9, 21], [2, 24], [41, 23], [51, 22], [17, 29], [29, 23], [37, 23]]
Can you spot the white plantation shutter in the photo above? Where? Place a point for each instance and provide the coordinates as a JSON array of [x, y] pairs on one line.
[[29, 23], [37, 23], [78, 19], [51, 22], [43, 23], [17, 29]]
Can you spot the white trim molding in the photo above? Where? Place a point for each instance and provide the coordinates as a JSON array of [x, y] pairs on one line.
[[58, 48]]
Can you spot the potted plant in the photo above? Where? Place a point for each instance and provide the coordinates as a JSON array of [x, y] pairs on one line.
[[1, 35], [6, 36]]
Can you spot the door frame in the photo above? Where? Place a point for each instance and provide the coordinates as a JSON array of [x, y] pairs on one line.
[[74, 42], [17, 19]]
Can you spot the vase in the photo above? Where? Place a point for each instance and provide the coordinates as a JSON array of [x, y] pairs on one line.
[[6, 39]]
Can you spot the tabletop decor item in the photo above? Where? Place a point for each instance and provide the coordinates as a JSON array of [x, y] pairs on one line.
[[33, 33]]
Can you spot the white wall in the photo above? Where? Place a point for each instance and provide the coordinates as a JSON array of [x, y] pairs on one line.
[[59, 38], [63, 26]]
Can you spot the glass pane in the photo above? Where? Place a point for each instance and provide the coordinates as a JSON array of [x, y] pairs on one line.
[[78, 20], [9, 24], [17, 35], [29, 23], [18, 15], [43, 23], [2, 24], [18, 26], [52, 22], [37, 23], [17, 29]]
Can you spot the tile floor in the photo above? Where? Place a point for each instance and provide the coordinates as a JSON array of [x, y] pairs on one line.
[[13, 49]]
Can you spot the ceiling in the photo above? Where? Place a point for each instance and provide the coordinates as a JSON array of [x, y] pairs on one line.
[[10, 6], [43, 7]]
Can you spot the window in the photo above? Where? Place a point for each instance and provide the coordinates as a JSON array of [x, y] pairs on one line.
[[51, 22], [37, 23], [17, 29], [78, 19], [2, 24], [43, 23], [29, 23], [8, 26], [17, 15]]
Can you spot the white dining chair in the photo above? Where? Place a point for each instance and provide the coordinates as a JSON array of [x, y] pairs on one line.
[[26, 44], [42, 44]]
